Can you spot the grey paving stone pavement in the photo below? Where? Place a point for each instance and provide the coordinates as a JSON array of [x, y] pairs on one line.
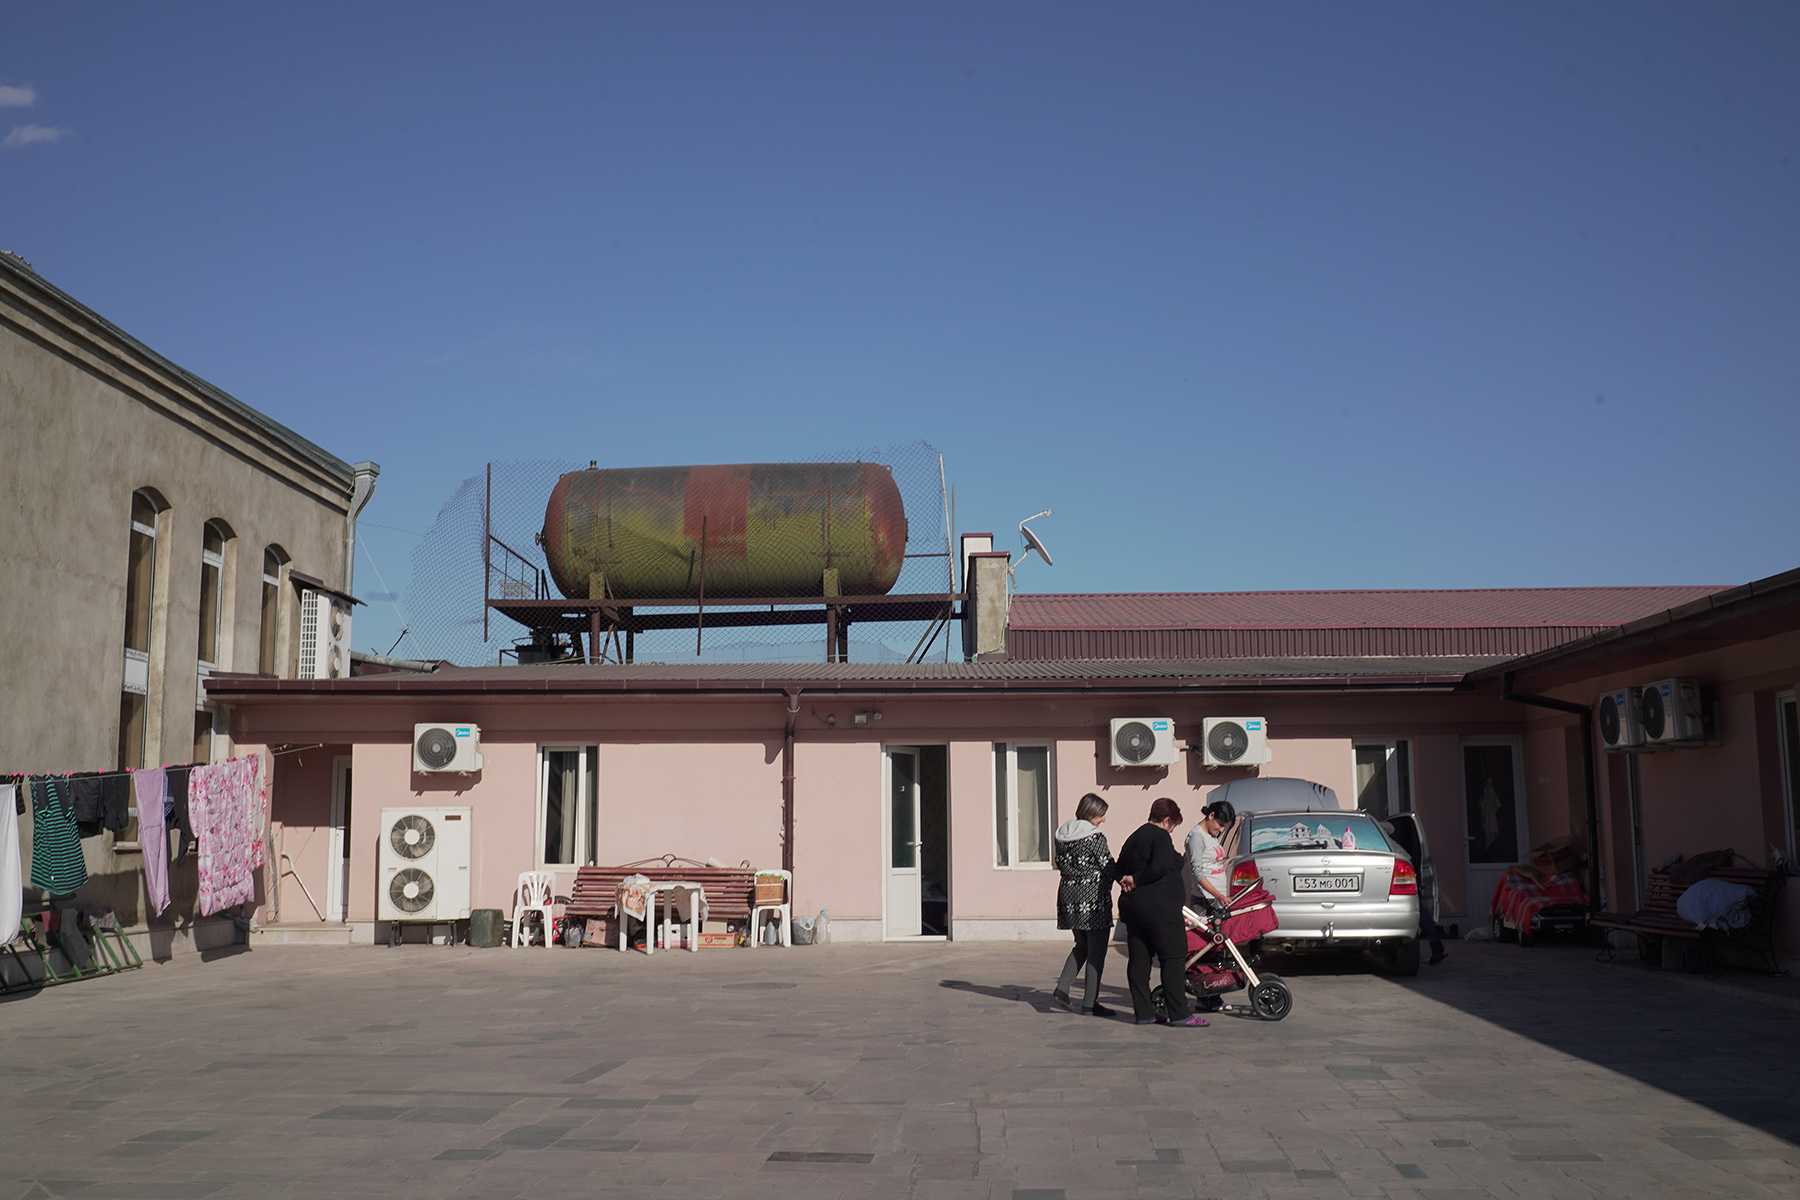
[[923, 1072]]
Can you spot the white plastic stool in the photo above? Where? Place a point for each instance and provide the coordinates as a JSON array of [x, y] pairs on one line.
[[536, 893], [783, 912]]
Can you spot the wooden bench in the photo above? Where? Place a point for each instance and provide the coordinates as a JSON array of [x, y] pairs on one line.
[[730, 891], [1659, 919]]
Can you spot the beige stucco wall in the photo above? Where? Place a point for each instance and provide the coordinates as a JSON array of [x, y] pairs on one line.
[[86, 419]]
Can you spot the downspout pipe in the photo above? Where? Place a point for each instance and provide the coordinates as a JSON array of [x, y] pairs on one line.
[[787, 780], [362, 491], [1586, 713]]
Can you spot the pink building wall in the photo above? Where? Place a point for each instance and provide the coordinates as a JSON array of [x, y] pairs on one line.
[[303, 781], [1707, 797], [701, 778]]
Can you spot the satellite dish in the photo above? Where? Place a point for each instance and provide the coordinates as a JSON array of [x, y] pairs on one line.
[[1033, 542]]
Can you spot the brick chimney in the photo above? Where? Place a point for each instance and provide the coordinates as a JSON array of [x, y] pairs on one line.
[[987, 580]]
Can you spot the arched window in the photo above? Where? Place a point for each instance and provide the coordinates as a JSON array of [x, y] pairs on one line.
[[274, 559], [215, 539], [140, 576], [147, 519]]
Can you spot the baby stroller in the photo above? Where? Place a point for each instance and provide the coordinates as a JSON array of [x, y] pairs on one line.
[[1215, 965]]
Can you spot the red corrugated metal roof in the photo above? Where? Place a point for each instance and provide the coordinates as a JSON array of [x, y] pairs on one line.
[[1388, 608]]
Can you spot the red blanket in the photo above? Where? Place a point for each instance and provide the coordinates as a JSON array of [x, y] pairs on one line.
[[1523, 893]]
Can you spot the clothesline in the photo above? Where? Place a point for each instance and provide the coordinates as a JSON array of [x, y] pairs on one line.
[[14, 775]]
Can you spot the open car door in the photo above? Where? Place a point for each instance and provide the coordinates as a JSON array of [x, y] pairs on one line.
[[1409, 831]]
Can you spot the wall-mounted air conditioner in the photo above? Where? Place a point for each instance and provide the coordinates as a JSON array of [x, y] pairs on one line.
[[324, 636], [1617, 714], [1235, 741], [424, 864], [1143, 741], [447, 748], [1671, 713]]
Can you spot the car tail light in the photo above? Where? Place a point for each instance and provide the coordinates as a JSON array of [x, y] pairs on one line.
[[1406, 880], [1244, 874]]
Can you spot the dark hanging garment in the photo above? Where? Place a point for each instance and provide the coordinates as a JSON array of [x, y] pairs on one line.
[[178, 811], [85, 791], [115, 802], [56, 862]]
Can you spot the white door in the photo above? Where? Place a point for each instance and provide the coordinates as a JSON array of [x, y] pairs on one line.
[[337, 850], [905, 913], [1494, 807]]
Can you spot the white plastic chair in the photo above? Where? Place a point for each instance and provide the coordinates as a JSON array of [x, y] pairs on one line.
[[536, 893], [783, 912]]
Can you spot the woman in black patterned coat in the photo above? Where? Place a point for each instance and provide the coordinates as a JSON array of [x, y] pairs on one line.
[[1084, 899]]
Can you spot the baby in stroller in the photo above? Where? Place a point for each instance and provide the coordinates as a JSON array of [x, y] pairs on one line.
[[1219, 922], [1216, 963]]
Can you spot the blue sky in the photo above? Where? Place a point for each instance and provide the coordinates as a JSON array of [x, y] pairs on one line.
[[1254, 296]]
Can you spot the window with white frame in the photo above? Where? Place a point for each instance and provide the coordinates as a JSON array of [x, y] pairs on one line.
[[1023, 803], [1787, 730], [140, 603], [274, 559], [212, 588], [566, 810], [1383, 777]]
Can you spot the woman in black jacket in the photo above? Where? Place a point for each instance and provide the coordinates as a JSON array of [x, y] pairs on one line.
[[1152, 915], [1084, 899]]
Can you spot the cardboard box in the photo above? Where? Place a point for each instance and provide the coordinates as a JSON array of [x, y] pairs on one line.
[[718, 941]]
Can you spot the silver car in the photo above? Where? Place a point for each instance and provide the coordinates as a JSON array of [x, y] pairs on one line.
[[1338, 881]]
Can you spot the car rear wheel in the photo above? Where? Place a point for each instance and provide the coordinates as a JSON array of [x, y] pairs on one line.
[[1403, 959]]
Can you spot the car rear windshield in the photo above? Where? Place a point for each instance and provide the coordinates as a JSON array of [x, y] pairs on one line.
[[1317, 831]]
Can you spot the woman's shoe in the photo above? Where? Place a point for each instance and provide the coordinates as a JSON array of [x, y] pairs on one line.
[[1100, 1010], [1196, 1021], [1060, 1000]]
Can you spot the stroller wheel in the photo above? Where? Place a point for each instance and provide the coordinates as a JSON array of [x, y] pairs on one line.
[[1160, 1000], [1271, 999]]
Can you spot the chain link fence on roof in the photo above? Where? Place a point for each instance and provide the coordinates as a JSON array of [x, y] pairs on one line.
[[873, 521]]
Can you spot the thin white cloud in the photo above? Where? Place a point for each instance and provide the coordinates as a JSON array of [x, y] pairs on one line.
[[17, 95], [33, 135]]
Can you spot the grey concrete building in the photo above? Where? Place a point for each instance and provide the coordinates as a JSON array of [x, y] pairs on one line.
[[154, 529]]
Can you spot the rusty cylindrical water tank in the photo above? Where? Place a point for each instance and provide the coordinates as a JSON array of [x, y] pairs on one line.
[[770, 529]]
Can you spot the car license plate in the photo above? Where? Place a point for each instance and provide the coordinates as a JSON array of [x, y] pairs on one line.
[[1328, 883]]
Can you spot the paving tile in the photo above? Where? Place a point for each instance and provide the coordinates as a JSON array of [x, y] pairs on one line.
[[818, 1156], [451, 1115], [360, 1112], [178, 1136], [467, 1154]]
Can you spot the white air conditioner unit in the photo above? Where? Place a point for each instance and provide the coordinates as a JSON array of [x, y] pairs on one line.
[[1143, 741], [447, 748], [1235, 741], [324, 636], [1617, 714], [1670, 712], [424, 864]]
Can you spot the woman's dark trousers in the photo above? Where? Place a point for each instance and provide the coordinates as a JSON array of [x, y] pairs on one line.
[[1089, 953], [1164, 937]]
